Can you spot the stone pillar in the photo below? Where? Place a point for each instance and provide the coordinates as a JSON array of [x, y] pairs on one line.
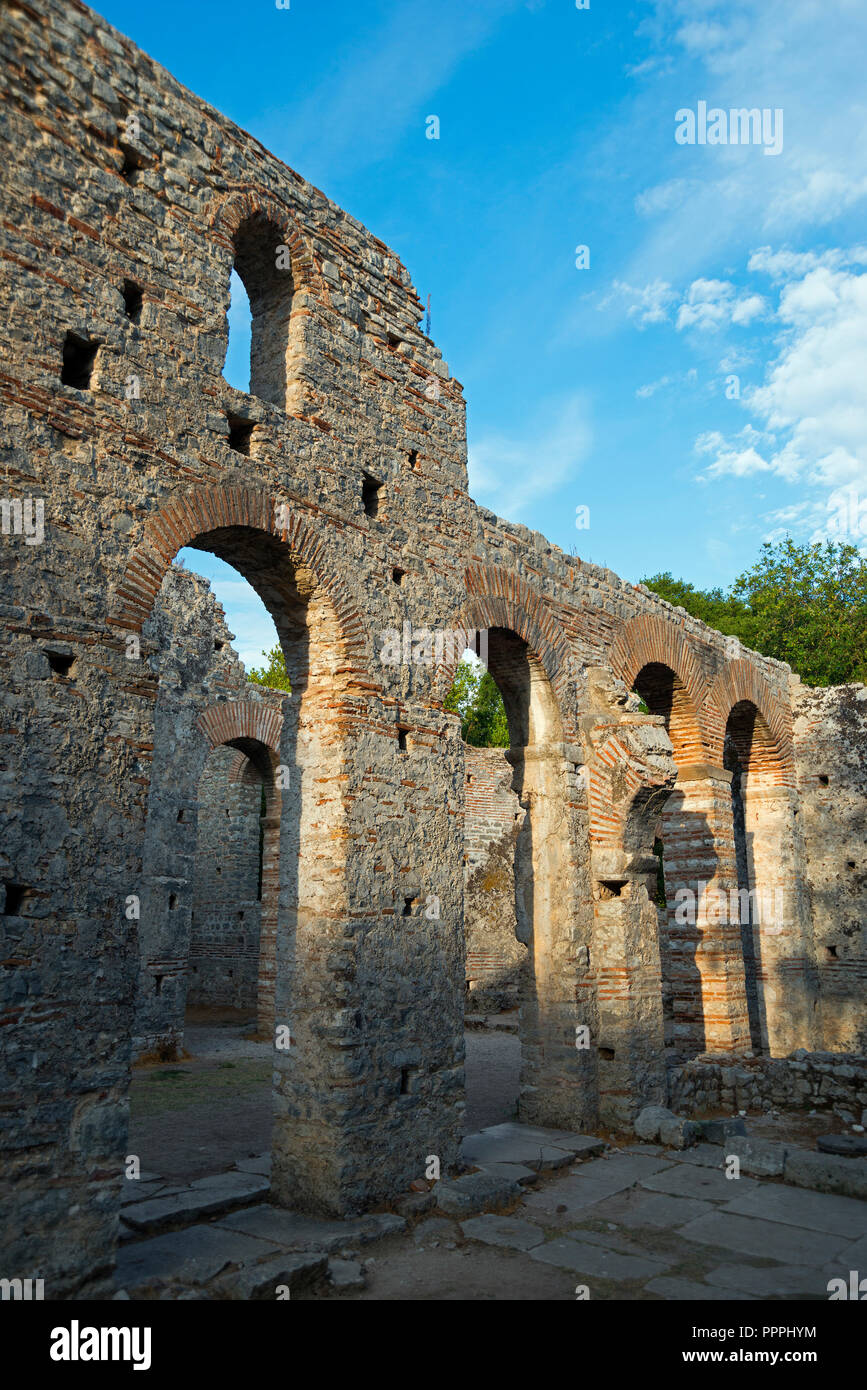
[[630, 773], [704, 951], [269, 912], [558, 1084], [781, 926], [626, 960], [370, 957]]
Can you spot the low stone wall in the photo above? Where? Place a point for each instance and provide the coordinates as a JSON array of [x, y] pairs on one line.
[[804, 1081]]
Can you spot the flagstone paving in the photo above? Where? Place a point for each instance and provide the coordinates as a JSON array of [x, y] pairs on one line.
[[637, 1222]]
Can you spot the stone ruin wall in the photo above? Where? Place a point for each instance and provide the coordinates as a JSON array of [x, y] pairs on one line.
[[338, 488], [201, 683], [496, 959], [830, 730], [224, 926]]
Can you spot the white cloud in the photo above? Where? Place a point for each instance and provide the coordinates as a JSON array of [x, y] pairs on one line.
[[663, 197], [713, 304], [798, 56], [740, 459], [646, 304], [651, 388], [812, 407], [510, 474]]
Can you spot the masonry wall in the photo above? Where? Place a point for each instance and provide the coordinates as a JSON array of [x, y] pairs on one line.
[[226, 902], [496, 958], [116, 177], [830, 729], [822, 1081]]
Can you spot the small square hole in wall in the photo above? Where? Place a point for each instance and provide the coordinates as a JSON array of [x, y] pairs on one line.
[[218, 645], [413, 458], [79, 355], [173, 901], [408, 904], [832, 952], [606, 1054], [158, 984], [850, 863], [393, 342], [132, 300], [180, 815], [61, 663], [240, 432], [370, 490], [397, 575], [823, 778], [401, 739], [133, 163], [15, 895]]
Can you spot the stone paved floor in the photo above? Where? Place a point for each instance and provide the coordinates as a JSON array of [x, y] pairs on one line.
[[633, 1223]]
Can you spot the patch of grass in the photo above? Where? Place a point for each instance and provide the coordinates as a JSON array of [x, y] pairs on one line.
[[217, 1084]]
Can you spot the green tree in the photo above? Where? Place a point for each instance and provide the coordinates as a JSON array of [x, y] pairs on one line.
[[804, 604], [475, 697], [272, 674], [716, 608]]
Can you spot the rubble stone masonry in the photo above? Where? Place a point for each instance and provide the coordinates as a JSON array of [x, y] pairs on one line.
[[338, 488]]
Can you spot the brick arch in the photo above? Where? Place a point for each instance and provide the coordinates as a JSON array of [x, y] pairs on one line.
[[496, 598], [740, 682], [650, 639], [218, 507], [228, 720], [240, 205]]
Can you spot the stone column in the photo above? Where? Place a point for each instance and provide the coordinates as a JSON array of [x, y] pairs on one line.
[[370, 958], [781, 924], [626, 960], [269, 913], [558, 1084], [704, 950]]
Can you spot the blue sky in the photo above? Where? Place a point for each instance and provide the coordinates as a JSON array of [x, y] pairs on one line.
[[700, 386]]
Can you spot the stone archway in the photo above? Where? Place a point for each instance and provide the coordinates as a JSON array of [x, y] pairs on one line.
[[770, 905], [254, 731], [323, 644], [702, 959], [591, 1016], [171, 847]]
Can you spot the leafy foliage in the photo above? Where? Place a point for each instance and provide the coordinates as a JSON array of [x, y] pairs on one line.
[[274, 674], [475, 697], [804, 604]]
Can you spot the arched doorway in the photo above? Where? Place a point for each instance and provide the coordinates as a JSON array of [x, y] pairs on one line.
[[308, 1166], [686, 845], [701, 952], [235, 883], [769, 903], [553, 1085]]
